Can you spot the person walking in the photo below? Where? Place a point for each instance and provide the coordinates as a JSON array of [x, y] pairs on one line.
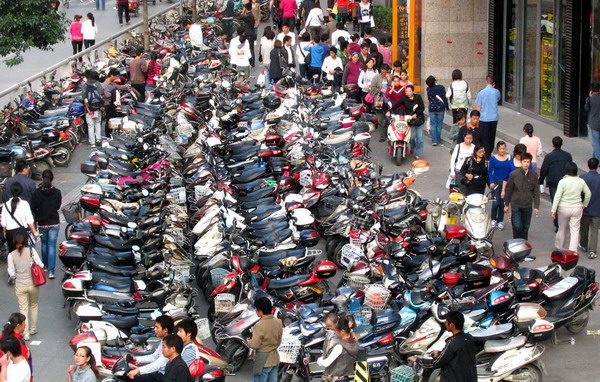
[[288, 53], [84, 369], [16, 216], [475, 172], [314, 20], [458, 95], [123, 8], [89, 29], [521, 192], [438, 104], [19, 263], [413, 111], [248, 22], [152, 72], [22, 171], [487, 103], [592, 106], [153, 365], [45, 206], [15, 327], [285, 31], [267, 42], [472, 126], [110, 87], [499, 170], [339, 32], [533, 144], [288, 8], [332, 65], [457, 360], [76, 35], [94, 103], [365, 12], [590, 221], [228, 14], [266, 338], [13, 366], [460, 154], [553, 169], [138, 67], [302, 54], [567, 201], [341, 355], [99, 3]]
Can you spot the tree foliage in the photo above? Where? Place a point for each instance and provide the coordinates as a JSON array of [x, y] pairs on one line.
[[26, 24]]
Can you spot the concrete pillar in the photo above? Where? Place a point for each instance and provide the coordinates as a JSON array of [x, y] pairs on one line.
[[455, 36]]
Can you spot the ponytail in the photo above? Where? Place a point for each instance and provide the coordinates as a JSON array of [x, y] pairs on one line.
[[91, 17], [15, 190], [14, 320], [528, 129], [47, 178], [92, 363]]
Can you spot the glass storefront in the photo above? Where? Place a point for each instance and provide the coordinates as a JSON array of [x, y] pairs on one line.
[[532, 58]]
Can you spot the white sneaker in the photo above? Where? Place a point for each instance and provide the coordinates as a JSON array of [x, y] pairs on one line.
[[494, 224], [500, 226]]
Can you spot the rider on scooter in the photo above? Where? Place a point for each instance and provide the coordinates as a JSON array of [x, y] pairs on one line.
[[155, 363]]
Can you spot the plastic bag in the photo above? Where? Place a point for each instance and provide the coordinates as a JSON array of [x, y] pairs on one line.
[[260, 81]]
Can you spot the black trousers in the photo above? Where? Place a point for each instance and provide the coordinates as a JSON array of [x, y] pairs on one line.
[[489, 136], [111, 112], [77, 46], [140, 88], [552, 191], [88, 43], [123, 8], [152, 377]]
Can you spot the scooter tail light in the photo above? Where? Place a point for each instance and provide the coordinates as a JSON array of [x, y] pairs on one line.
[[594, 287], [223, 288], [313, 235], [533, 284], [386, 340], [542, 328], [500, 299]]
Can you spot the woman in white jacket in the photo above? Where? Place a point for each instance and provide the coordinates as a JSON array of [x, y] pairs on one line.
[[89, 29], [239, 53], [461, 152], [458, 95], [365, 78]]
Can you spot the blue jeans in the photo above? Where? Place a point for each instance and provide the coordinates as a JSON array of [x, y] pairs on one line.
[[498, 205], [268, 84], [436, 119], [103, 4], [269, 374], [416, 139], [521, 219], [49, 237], [595, 137]]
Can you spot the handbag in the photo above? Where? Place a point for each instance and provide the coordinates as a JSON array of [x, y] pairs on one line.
[[37, 273], [417, 121], [369, 98]]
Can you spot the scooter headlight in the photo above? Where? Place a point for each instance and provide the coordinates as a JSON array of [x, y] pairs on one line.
[[401, 127], [477, 215]]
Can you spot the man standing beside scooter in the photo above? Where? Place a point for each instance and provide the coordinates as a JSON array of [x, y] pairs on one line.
[[521, 192], [266, 338], [457, 359], [155, 363]]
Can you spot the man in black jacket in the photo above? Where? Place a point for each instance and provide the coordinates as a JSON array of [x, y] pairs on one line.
[[521, 192], [457, 359], [553, 169], [228, 14], [176, 369], [247, 19], [414, 108]]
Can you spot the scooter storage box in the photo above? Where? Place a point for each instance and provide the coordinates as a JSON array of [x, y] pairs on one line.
[[518, 249], [478, 276], [499, 302], [451, 278], [326, 269], [90, 203], [72, 257], [567, 259], [73, 288], [88, 167]]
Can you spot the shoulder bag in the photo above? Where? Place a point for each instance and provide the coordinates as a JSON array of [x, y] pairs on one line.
[[30, 240], [37, 273]]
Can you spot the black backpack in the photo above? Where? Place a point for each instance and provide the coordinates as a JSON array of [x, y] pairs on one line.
[[93, 97]]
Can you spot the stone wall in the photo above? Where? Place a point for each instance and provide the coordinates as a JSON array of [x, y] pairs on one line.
[[455, 36]]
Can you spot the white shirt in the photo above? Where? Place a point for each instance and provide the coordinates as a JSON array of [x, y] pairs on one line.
[[365, 78], [333, 355], [22, 215], [18, 372], [239, 56], [281, 35], [88, 30], [300, 52], [266, 46], [196, 35], [337, 34], [330, 64], [459, 156], [314, 18], [289, 55], [155, 362]]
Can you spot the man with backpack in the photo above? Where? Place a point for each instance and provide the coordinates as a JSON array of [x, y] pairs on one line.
[[94, 106]]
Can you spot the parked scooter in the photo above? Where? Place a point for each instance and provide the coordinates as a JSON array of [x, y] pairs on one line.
[[478, 223], [398, 136]]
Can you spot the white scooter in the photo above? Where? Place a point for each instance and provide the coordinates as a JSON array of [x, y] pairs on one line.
[[478, 222]]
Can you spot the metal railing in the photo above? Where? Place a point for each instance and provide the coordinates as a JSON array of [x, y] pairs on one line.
[[66, 66]]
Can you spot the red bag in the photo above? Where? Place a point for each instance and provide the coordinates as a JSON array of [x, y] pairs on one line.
[[197, 367], [369, 98], [37, 273]]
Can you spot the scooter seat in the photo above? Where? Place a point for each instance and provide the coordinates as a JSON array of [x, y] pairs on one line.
[[257, 194], [418, 298], [561, 289], [247, 188], [141, 119], [282, 253], [287, 283], [113, 243], [311, 329], [412, 262], [139, 339], [250, 98], [498, 346], [120, 352], [118, 288], [494, 332], [122, 322], [395, 212], [121, 311], [122, 172], [115, 270]]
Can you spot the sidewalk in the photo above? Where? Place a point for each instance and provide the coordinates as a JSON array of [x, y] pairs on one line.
[[510, 130]]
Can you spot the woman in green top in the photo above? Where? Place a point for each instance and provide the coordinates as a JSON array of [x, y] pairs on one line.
[[567, 202]]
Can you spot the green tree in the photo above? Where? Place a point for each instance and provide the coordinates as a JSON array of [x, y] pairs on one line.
[[26, 24]]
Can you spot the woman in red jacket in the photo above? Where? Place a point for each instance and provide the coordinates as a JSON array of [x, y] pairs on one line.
[[76, 35], [15, 327], [397, 91]]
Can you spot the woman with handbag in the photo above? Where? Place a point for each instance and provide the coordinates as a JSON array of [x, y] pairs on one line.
[[460, 154], [16, 214], [25, 267], [475, 172]]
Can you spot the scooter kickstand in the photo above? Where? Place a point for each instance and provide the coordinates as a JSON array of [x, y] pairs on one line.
[[556, 341]]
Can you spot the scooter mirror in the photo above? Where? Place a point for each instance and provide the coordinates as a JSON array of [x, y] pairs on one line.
[[135, 248], [140, 140], [145, 192], [529, 259]]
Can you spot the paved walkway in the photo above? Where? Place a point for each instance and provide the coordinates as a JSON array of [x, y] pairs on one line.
[[36, 60], [510, 130]]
